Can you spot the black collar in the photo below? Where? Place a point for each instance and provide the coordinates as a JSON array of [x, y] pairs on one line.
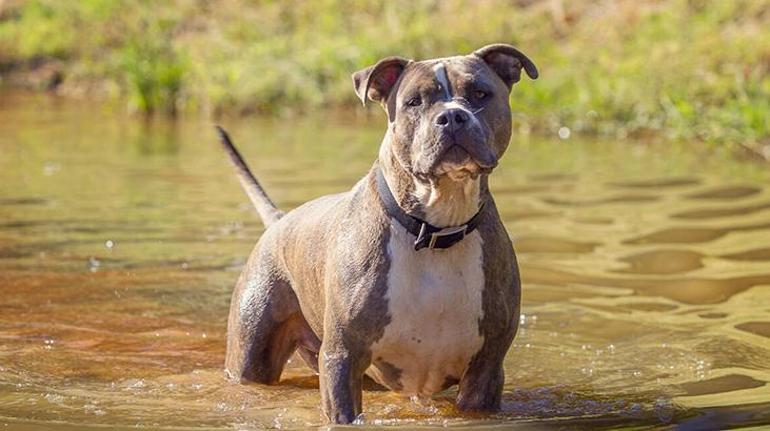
[[427, 235]]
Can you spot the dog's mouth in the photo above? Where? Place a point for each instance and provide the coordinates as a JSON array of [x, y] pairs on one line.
[[458, 164]]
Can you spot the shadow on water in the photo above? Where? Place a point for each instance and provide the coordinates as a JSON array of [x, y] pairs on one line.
[[624, 199], [700, 214], [727, 193], [657, 183], [691, 235], [645, 300]]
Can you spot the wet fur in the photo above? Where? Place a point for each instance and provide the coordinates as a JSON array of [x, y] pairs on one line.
[[338, 279]]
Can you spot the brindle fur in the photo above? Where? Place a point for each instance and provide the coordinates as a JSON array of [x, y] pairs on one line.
[[317, 279]]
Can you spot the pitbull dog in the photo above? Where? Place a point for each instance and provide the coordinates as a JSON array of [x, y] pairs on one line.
[[410, 277]]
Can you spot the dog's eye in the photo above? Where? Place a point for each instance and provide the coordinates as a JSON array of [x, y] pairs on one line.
[[414, 101], [481, 94]]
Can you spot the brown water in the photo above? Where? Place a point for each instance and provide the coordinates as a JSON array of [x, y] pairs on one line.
[[646, 274]]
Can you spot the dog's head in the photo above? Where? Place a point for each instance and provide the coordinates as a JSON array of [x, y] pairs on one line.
[[448, 116]]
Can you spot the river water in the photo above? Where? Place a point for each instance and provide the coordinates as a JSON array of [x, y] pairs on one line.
[[646, 275]]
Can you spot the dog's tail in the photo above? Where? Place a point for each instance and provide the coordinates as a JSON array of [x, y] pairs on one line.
[[265, 207]]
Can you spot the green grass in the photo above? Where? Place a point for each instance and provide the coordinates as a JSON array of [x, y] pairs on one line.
[[685, 69]]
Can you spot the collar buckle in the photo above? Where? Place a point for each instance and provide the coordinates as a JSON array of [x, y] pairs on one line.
[[443, 238]]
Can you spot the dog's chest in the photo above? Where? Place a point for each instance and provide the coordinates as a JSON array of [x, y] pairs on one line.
[[435, 305]]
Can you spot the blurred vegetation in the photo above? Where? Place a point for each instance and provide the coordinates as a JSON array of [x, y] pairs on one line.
[[690, 69]]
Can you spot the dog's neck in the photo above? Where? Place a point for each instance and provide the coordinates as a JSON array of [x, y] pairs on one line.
[[442, 202]]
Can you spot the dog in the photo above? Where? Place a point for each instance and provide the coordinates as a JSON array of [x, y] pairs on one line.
[[409, 277]]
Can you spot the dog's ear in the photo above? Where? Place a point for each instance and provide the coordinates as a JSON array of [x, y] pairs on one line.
[[507, 62], [375, 82]]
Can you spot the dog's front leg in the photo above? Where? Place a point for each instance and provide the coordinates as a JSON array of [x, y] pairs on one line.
[[341, 376]]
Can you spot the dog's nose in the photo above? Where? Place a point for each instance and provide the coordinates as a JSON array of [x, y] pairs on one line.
[[452, 119]]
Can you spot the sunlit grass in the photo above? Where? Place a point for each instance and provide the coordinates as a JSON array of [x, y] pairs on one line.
[[692, 69]]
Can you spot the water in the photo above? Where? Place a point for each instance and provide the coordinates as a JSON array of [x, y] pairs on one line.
[[646, 271]]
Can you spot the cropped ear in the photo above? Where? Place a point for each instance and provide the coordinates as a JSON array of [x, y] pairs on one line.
[[507, 62], [375, 82]]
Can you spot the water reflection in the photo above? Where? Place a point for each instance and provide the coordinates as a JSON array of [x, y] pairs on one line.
[[663, 262], [645, 279]]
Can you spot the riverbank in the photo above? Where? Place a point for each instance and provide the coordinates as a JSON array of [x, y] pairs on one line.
[[695, 70]]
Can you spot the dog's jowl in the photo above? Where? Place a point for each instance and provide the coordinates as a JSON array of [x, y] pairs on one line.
[[409, 277]]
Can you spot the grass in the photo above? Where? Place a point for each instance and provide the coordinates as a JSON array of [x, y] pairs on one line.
[[684, 69]]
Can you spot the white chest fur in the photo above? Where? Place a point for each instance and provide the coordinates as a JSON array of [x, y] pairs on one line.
[[434, 300]]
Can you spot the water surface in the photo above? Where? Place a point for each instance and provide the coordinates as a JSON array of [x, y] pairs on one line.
[[646, 271]]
